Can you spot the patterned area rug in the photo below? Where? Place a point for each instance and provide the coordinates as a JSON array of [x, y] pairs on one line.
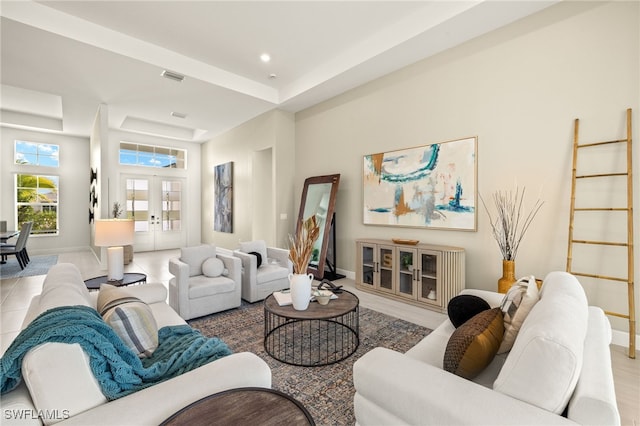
[[327, 392], [39, 265]]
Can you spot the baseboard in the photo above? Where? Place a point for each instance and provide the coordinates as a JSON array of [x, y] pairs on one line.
[[46, 252], [621, 338], [348, 274]]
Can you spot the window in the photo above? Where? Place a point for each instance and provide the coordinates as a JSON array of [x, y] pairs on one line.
[[152, 156], [138, 203], [37, 154], [37, 201], [171, 205]]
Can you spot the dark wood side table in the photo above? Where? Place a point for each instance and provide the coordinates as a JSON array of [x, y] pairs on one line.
[[319, 335], [128, 279], [243, 406]]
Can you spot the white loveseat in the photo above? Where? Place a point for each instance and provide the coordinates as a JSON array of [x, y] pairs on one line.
[[560, 360], [58, 385]]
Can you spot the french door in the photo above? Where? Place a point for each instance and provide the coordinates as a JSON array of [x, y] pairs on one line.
[[155, 203]]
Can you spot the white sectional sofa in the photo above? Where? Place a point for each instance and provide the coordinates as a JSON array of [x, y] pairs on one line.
[[560, 361], [58, 385]]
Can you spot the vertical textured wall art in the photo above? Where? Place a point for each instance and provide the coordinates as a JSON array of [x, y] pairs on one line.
[[431, 186], [93, 197], [223, 198]]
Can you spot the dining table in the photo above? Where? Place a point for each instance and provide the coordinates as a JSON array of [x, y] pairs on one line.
[[5, 235]]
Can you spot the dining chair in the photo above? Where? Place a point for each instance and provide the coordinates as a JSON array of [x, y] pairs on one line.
[[19, 250]]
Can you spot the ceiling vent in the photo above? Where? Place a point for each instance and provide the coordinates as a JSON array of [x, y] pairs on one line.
[[173, 76], [178, 114]]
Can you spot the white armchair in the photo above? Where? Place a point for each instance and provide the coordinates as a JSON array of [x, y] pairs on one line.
[[272, 275], [204, 282]]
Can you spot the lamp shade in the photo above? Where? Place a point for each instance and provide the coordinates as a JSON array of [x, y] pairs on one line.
[[114, 232]]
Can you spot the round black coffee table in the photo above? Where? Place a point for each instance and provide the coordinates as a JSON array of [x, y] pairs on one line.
[[243, 406], [319, 335], [128, 279]]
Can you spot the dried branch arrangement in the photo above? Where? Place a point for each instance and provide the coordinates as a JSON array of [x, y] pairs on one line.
[[301, 246], [510, 224]]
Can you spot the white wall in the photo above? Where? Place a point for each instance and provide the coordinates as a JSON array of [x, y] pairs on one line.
[[273, 130], [519, 90], [99, 142], [74, 188]]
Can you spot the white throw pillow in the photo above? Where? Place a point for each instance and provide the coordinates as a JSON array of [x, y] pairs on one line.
[[213, 267], [545, 362], [516, 305]]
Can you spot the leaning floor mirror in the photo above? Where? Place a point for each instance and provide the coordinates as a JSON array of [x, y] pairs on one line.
[[319, 199]]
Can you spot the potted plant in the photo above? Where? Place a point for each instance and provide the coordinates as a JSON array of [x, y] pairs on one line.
[[116, 211], [406, 260], [508, 228], [300, 251]]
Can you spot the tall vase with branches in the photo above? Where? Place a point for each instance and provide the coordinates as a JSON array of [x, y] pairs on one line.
[[509, 225], [300, 251]]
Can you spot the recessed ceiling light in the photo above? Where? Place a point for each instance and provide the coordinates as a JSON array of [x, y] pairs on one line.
[[172, 76], [272, 76], [265, 57], [178, 114]]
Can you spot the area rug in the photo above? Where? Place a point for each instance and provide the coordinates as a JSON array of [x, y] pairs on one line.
[[327, 392], [39, 265]]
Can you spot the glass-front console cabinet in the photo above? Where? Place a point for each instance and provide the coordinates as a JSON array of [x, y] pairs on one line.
[[423, 274]]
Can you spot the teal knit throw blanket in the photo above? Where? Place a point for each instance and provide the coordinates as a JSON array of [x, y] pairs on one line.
[[117, 368]]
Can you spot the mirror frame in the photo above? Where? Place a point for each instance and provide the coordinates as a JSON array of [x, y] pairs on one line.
[[334, 180]]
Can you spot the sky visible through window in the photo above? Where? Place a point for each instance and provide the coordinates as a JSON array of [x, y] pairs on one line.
[[150, 156], [37, 154]]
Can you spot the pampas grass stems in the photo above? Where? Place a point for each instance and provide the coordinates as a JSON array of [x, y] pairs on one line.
[[510, 223], [301, 245]]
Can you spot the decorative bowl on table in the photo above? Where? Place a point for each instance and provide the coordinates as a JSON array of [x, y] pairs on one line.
[[322, 296], [405, 241]]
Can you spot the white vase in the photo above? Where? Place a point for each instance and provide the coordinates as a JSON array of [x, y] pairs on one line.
[[300, 285]]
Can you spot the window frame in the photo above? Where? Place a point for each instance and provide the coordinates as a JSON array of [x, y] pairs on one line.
[[152, 153], [38, 204], [39, 153]]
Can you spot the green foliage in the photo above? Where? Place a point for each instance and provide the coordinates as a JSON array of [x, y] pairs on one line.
[[45, 218], [117, 210], [43, 221]]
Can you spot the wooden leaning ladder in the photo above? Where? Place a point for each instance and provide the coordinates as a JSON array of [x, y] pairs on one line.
[[629, 243]]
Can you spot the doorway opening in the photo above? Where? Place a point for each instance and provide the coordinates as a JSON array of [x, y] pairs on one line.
[[263, 216]]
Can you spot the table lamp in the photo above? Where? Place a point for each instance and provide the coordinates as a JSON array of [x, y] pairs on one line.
[[113, 234]]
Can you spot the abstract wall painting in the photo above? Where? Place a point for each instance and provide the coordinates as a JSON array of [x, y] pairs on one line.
[[431, 186], [223, 198]]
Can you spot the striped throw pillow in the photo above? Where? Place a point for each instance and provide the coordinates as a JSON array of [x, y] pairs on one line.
[[130, 318]]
